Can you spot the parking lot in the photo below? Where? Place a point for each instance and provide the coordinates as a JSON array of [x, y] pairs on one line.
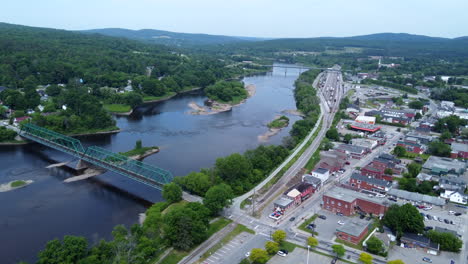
[[299, 256], [411, 255], [458, 221]]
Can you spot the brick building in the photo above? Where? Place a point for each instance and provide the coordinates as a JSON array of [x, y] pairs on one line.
[[354, 152], [353, 231], [412, 145], [459, 150], [349, 202], [369, 183], [332, 160]]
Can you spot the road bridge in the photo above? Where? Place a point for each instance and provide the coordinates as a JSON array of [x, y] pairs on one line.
[[136, 170]]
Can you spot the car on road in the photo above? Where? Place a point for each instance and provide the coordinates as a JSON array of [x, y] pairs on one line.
[[247, 254], [427, 208], [458, 214], [292, 218], [311, 226], [283, 253], [392, 199], [426, 259], [446, 221], [420, 206], [322, 217], [340, 222]]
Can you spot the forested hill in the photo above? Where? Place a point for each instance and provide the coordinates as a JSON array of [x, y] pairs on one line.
[[384, 44], [169, 38], [56, 56]]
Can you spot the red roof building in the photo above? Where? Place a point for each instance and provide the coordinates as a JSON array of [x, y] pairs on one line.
[[349, 202]]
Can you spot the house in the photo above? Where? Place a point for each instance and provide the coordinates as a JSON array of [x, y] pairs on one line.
[[321, 173], [459, 150], [410, 240], [305, 190], [295, 195], [364, 142], [332, 160], [349, 202], [455, 197], [412, 145], [369, 183], [413, 197], [452, 183], [18, 120], [355, 152], [423, 139], [442, 166], [353, 231], [283, 203]]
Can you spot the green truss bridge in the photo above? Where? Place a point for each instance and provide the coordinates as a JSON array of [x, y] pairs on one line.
[[136, 170]]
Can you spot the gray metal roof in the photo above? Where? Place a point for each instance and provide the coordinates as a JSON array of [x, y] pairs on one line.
[[354, 227], [447, 164], [321, 170], [416, 197], [352, 148], [458, 147], [349, 196], [283, 202]]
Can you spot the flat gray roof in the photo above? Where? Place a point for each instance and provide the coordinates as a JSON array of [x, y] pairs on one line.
[[321, 170], [283, 202], [353, 227], [416, 197], [371, 180], [448, 164], [459, 147], [348, 195]]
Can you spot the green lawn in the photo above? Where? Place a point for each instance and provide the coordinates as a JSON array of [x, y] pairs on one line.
[[117, 108], [218, 225], [306, 222], [154, 98]]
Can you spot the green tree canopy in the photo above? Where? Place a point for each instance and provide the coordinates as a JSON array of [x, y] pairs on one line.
[[68, 251], [399, 151], [365, 258], [172, 192], [218, 197], [312, 241], [405, 218], [271, 247], [279, 236], [374, 245], [439, 149], [447, 241], [339, 250], [258, 256]]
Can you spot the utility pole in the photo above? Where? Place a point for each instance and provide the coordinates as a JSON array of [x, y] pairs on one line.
[[253, 203]]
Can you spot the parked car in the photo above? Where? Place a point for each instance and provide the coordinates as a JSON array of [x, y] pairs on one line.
[[426, 259], [340, 214], [322, 217], [427, 208], [292, 218], [282, 253], [392, 199], [451, 222], [446, 221], [334, 260], [368, 218], [340, 222], [420, 206], [362, 216], [348, 163], [311, 226], [452, 212], [458, 214]]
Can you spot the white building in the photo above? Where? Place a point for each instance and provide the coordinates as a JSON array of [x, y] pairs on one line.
[[322, 174], [455, 197], [366, 119]]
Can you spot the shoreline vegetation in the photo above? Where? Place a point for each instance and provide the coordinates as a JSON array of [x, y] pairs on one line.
[[140, 152], [13, 185], [274, 127], [216, 105]]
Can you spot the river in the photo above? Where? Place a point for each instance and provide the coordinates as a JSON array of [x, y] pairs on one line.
[[50, 208]]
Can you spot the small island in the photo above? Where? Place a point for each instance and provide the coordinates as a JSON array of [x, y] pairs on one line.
[[279, 122], [275, 127], [140, 152], [13, 185], [222, 96]]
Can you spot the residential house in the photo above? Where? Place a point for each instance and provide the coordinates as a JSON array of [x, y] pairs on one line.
[[459, 150], [412, 145], [452, 183], [442, 166], [18, 120], [410, 240], [455, 197], [321, 173], [315, 182], [355, 152]]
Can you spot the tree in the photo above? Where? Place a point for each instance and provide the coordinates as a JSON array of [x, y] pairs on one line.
[[417, 116], [53, 90], [218, 197], [388, 171], [365, 258], [138, 144], [332, 134], [271, 247], [416, 105], [399, 151], [233, 167], [405, 218], [69, 251], [172, 192], [374, 245], [312, 241], [258, 256], [439, 149], [445, 135], [447, 241], [396, 261], [414, 169], [279, 236], [339, 250], [348, 138], [195, 182]]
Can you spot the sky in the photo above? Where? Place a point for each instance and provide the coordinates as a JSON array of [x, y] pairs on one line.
[[253, 18]]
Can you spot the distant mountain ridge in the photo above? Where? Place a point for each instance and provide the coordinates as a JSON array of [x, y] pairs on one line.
[[170, 38]]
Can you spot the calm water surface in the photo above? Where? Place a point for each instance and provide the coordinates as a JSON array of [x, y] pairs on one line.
[[50, 208]]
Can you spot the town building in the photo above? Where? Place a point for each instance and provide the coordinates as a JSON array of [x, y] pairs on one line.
[[459, 150], [362, 182], [365, 119], [368, 128], [423, 138], [365, 143], [421, 242], [321, 173], [283, 203], [332, 160], [412, 145], [306, 190], [295, 195], [315, 182], [442, 166], [354, 152], [455, 197], [413, 197], [353, 231], [452, 183], [349, 202]]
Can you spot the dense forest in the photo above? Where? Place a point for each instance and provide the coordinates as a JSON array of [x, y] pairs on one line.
[[458, 95], [227, 91]]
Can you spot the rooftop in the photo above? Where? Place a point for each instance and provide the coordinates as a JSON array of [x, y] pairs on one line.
[[420, 239], [354, 227], [438, 164], [352, 148], [416, 197], [459, 147], [371, 180], [321, 170], [349, 196], [311, 180], [283, 202]]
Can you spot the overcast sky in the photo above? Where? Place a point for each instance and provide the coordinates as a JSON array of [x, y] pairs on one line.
[[255, 18]]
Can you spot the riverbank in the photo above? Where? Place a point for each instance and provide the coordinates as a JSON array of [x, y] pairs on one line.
[[217, 107], [150, 151], [13, 185]]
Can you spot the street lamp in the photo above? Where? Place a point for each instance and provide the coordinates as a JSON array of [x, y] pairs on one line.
[[308, 247]]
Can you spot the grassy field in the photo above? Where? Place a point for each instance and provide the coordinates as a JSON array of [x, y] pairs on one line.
[[117, 108], [218, 225], [154, 98]]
